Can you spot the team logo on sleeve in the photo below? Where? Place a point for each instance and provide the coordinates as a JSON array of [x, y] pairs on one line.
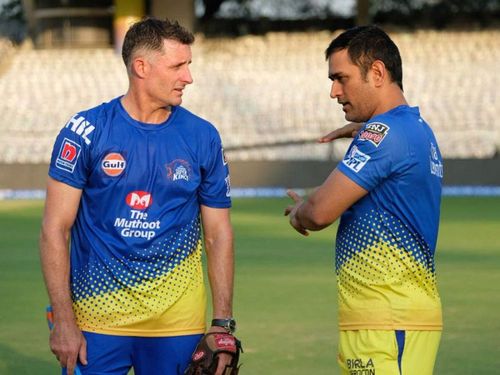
[[374, 132], [355, 159], [179, 170], [68, 155], [113, 164]]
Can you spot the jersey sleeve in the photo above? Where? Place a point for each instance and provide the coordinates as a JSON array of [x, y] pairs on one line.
[[215, 187], [375, 153], [70, 155]]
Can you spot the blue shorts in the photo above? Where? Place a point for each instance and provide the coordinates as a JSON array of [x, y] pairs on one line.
[[116, 355]]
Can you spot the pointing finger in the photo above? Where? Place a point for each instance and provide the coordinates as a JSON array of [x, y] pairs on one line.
[[297, 198]]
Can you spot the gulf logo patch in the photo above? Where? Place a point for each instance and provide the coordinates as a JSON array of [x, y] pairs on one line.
[[68, 155], [113, 164]]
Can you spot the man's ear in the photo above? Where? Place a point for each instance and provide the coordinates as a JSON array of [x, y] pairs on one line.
[[140, 67], [378, 72]]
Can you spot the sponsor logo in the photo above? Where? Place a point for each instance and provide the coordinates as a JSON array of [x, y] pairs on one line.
[[113, 164], [68, 155], [139, 200], [198, 355], [435, 164], [69, 151], [355, 159], [225, 342], [374, 132], [434, 154], [137, 225], [358, 366], [179, 170], [80, 126]]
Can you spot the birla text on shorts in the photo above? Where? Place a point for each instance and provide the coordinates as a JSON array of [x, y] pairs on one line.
[[386, 352]]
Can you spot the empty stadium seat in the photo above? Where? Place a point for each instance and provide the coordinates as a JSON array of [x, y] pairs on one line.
[[261, 91]]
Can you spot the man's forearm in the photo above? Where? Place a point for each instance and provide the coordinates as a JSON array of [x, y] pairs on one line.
[[328, 202], [54, 258], [307, 218], [220, 262]]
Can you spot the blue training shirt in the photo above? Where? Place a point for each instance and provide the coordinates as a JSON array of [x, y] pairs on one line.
[[386, 241], [136, 242]]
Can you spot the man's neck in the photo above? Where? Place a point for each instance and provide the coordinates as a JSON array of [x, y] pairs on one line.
[[144, 110], [392, 99]]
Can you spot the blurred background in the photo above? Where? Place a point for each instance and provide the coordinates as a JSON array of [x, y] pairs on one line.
[[260, 77]]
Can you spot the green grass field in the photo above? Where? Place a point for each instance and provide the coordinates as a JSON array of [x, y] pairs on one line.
[[285, 297]]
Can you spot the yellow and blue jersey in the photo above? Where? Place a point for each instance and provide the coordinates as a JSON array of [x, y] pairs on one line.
[[386, 241], [136, 243]]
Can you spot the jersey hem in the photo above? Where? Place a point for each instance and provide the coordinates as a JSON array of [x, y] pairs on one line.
[[390, 327], [353, 176], [216, 204], [138, 333], [394, 319], [65, 180]]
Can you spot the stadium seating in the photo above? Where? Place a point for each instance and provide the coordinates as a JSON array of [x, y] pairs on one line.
[[261, 90]]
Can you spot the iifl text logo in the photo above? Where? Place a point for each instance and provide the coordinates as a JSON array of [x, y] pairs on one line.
[[139, 200]]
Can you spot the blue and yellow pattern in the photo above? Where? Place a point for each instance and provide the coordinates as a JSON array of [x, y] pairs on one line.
[[386, 241], [136, 242], [151, 289], [386, 276]]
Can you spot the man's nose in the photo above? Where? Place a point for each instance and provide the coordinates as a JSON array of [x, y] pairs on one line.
[[336, 90], [187, 76]]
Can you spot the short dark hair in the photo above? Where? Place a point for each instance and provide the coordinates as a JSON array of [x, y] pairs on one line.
[[150, 33], [365, 44]]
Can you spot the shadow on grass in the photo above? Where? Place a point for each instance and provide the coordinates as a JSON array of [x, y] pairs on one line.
[[13, 362]]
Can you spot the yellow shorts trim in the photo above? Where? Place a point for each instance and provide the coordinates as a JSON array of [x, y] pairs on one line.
[[377, 352]]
